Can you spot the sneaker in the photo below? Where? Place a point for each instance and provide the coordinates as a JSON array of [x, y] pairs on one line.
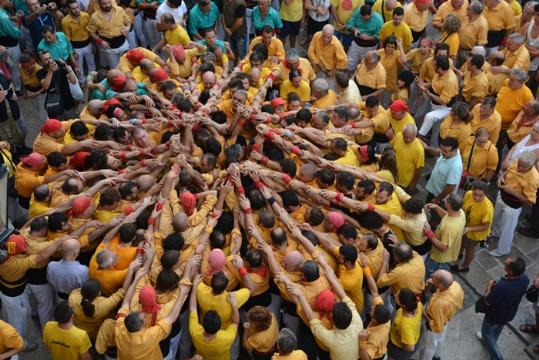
[[479, 336], [496, 253]]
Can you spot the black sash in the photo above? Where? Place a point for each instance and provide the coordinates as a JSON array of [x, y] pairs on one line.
[[495, 38], [8, 41], [81, 44], [417, 35], [365, 43], [365, 90], [510, 200], [115, 42]]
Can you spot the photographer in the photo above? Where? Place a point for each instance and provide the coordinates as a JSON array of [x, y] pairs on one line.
[[40, 16], [57, 44], [60, 82], [9, 110]]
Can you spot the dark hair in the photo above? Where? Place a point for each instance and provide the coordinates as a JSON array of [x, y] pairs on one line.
[[293, 73], [133, 322], [89, 291], [342, 79], [309, 235], [103, 132], [211, 322], [388, 161], [290, 198], [450, 141], [47, 28], [381, 314], [440, 46], [371, 220], [118, 133], [218, 282], [278, 236], [342, 315], [340, 144], [480, 185], [304, 114], [326, 176], [408, 299], [390, 40], [62, 312], [169, 259], [365, 10], [225, 222], [126, 188], [70, 186], [346, 180], [399, 11], [387, 187], [166, 280], [368, 185], [372, 101], [311, 272], [316, 216], [477, 61], [97, 160], [109, 197], [348, 231], [218, 116], [212, 146], [403, 251], [217, 240], [173, 241], [349, 253], [38, 224], [127, 232], [442, 62], [517, 266], [255, 258], [288, 166], [413, 206], [56, 221], [455, 201], [342, 111], [78, 128]]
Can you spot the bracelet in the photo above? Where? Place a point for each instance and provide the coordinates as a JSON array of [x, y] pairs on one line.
[[270, 135], [123, 155], [128, 210], [295, 150], [242, 271], [270, 76], [151, 220], [370, 207], [259, 185], [240, 190], [430, 234], [247, 211], [100, 42], [158, 206], [339, 197], [286, 178], [256, 148], [208, 229], [241, 122], [140, 250], [121, 171], [271, 200], [367, 271], [142, 162], [264, 160], [141, 154]]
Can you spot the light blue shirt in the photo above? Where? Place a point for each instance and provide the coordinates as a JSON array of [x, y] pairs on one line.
[[61, 49], [199, 20], [371, 27], [7, 28], [66, 276], [218, 42], [272, 19], [445, 172]]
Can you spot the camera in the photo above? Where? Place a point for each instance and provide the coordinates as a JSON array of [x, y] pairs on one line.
[[61, 63]]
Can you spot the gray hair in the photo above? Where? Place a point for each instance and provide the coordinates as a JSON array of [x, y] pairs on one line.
[[104, 259], [479, 50], [516, 38], [320, 86], [451, 24], [410, 127], [375, 56], [455, 201], [292, 54], [520, 75], [286, 342], [476, 7], [528, 158]]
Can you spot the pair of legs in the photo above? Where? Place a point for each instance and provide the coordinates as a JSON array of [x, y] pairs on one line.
[[290, 30]]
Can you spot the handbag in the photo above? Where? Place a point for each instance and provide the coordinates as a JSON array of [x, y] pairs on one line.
[[481, 306], [532, 294], [465, 179]]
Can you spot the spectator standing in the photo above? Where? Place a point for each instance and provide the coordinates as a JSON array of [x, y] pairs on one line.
[[109, 26], [67, 274], [416, 16], [485, 115], [9, 38], [397, 28], [75, 26], [202, 16], [502, 299], [500, 20], [453, 7], [58, 45], [444, 304], [235, 26], [263, 15], [518, 186], [10, 106], [326, 53], [11, 343], [479, 156], [408, 151], [371, 76], [365, 24], [318, 16], [40, 15], [149, 10], [64, 340], [406, 326], [286, 343], [447, 239], [292, 16], [342, 11], [473, 30], [176, 8]]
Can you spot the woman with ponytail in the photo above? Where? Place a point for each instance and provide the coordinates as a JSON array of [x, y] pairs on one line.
[[405, 329], [90, 309]]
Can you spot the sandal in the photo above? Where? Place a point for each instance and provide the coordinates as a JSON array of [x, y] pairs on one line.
[[529, 329]]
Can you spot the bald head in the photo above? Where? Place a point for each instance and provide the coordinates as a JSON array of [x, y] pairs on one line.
[[146, 65], [179, 222], [145, 182], [307, 172], [95, 106], [42, 192], [443, 279], [293, 261], [70, 249]]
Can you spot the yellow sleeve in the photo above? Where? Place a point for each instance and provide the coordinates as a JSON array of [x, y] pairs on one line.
[[342, 59], [492, 158], [437, 319], [280, 53]]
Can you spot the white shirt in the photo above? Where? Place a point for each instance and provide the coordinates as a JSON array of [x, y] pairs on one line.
[[177, 13], [65, 276]]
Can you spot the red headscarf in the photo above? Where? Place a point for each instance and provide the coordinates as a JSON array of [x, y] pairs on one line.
[[50, 126], [422, 2], [135, 56], [80, 204], [324, 302], [189, 202], [217, 260], [78, 161], [148, 300], [158, 75], [178, 52], [336, 219], [117, 82], [398, 106], [34, 160], [277, 102], [16, 245]]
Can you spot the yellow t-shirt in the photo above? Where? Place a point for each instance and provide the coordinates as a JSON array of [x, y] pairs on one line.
[[450, 234], [407, 155], [294, 355], [9, 337], [398, 125], [345, 10], [349, 158], [387, 14], [65, 344], [303, 90], [292, 12], [208, 301], [401, 31], [263, 341], [177, 36], [510, 102], [217, 348], [405, 330], [477, 213], [453, 42]]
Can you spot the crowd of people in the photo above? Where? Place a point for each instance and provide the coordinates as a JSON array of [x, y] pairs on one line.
[[197, 191]]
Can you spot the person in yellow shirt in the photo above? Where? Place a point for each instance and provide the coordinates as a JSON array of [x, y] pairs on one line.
[[63, 339], [286, 343], [321, 96], [293, 61], [399, 116], [371, 76], [406, 326], [447, 239], [174, 34], [409, 271], [479, 215], [409, 151], [260, 331], [523, 123], [453, 7], [51, 138], [479, 156], [416, 15], [500, 20], [11, 343], [297, 85], [485, 115], [450, 35], [213, 340], [326, 53], [342, 12], [75, 26], [516, 54], [417, 57], [180, 61], [385, 8], [291, 16], [31, 86], [473, 30], [391, 57], [276, 53], [475, 83], [397, 28], [350, 273], [456, 124], [442, 307]]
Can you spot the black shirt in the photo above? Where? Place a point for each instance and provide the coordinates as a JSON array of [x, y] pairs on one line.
[[14, 107], [59, 85]]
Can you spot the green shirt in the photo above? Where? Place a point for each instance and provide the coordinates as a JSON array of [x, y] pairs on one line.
[[199, 20], [7, 28]]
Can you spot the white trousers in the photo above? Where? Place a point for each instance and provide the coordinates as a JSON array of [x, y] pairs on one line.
[[356, 53], [152, 35], [138, 26], [112, 56], [132, 39], [14, 54], [432, 344], [432, 122], [504, 224], [173, 347], [85, 54], [16, 311], [44, 296]]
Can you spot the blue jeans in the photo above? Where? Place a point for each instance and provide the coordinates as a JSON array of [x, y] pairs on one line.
[[239, 46], [491, 333], [346, 39], [432, 266]]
